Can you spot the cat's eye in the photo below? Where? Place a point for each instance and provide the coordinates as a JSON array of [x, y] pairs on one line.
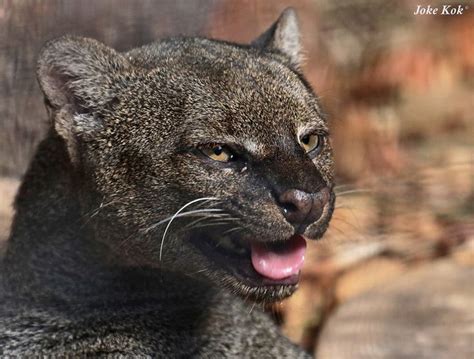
[[311, 142], [218, 153]]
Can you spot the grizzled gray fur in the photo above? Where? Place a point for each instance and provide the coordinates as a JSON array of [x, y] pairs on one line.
[[93, 265]]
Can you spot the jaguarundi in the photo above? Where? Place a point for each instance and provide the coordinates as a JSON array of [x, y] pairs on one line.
[[178, 184]]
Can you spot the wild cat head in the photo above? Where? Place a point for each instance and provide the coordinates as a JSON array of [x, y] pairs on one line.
[[205, 157]]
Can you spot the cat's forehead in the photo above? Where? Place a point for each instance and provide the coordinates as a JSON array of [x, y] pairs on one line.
[[258, 102], [246, 79], [233, 93], [239, 72]]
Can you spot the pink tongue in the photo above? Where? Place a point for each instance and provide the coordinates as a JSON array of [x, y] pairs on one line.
[[279, 263]]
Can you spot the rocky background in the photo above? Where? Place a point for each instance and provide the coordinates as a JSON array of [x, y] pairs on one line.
[[393, 276]]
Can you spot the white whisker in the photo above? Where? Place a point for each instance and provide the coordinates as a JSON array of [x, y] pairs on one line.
[[231, 230], [353, 191], [223, 216], [189, 213], [177, 214], [204, 225]]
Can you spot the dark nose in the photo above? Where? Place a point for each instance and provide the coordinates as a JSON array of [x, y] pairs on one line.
[[302, 208]]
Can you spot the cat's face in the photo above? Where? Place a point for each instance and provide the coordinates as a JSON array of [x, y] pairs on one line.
[[209, 159]]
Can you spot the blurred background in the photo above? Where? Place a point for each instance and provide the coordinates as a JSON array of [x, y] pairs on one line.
[[394, 275]]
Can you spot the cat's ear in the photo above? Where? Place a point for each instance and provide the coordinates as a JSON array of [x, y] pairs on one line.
[[283, 36], [76, 76], [77, 72]]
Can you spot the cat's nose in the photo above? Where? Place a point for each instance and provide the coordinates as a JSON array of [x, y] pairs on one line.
[[302, 208]]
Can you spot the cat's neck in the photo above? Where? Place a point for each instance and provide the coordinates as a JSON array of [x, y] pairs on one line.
[[51, 249]]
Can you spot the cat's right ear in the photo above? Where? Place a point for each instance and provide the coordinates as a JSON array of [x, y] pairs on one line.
[[77, 76], [75, 71], [283, 36]]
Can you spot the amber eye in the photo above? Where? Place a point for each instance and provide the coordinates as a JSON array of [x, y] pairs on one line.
[[218, 153], [311, 142]]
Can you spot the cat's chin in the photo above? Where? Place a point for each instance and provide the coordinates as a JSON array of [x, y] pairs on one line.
[[230, 262]]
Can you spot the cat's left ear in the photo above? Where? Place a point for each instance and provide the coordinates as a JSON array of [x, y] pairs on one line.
[[283, 36]]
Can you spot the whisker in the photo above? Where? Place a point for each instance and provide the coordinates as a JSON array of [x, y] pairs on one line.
[[344, 185], [343, 206], [232, 230], [352, 191], [350, 224], [197, 272], [223, 216], [210, 224], [94, 212], [253, 306], [177, 214], [189, 213]]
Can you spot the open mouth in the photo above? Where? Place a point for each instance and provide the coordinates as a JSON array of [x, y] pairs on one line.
[[263, 267], [253, 263]]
